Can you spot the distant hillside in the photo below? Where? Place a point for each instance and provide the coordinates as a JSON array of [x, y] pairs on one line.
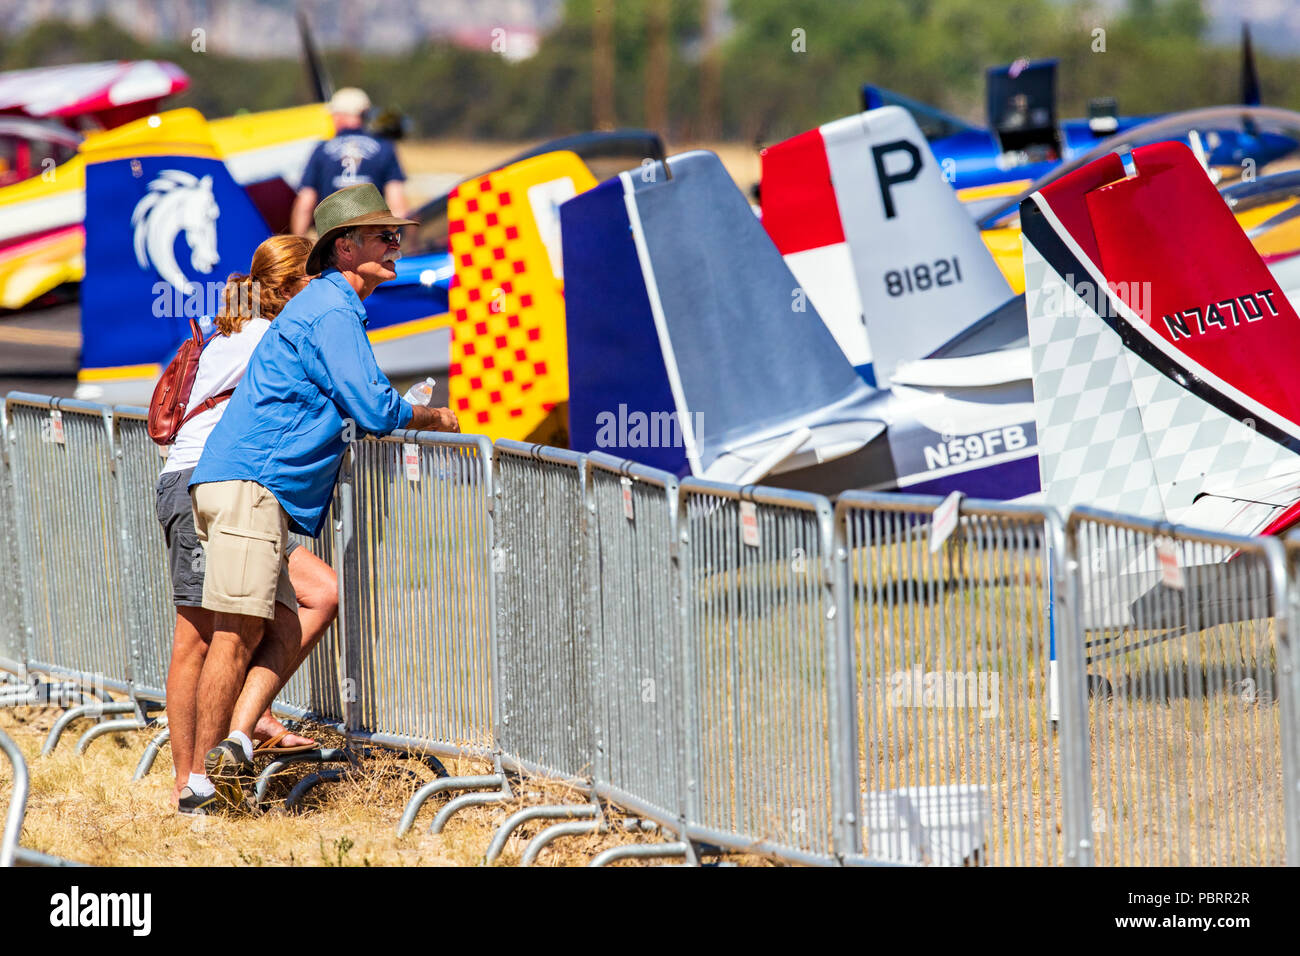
[[265, 28]]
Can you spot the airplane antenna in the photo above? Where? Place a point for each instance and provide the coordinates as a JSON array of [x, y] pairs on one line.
[[1249, 75], [321, 84]]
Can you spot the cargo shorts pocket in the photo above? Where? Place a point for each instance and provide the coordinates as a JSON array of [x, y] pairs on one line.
[[243, 568]]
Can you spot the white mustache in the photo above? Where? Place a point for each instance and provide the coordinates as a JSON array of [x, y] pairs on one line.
[[395, 254]]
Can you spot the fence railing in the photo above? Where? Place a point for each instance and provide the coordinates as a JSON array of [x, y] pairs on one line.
[[77, 607], [1190, 697], [423, 553], [769, 749], [874, 681], [644, 717], [960, 760]]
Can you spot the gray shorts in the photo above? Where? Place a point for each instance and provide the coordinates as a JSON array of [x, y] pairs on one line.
[[184, 553]]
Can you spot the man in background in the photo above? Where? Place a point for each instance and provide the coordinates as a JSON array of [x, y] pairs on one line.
[[352, 157]]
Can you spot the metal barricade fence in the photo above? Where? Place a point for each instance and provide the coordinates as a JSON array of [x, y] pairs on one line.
[[637, 635], [75, 601], [958, 755], [544, 576], [316, 689], [146, 578], [13, 654], [769, 750], [1191, 706], [424, 551]]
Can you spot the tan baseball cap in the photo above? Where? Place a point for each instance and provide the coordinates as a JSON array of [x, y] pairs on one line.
[[349, 101]]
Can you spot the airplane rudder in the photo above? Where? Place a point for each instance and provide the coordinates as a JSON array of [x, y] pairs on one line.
[[508, 363]]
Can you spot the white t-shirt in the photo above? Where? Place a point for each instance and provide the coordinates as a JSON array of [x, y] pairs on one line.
[[221, 366]]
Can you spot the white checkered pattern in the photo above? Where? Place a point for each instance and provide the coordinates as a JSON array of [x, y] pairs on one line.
[[1115, 433]]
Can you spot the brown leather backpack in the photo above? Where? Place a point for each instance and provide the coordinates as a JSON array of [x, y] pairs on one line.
[[167, 408]]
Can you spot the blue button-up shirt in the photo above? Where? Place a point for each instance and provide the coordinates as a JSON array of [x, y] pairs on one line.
[[284, 427]]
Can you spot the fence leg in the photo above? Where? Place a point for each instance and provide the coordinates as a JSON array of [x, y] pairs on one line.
[[42, 692], [467, 800], [548, 812], [641, 851], [96, 709], [151, 753], [13, 824], [110, 727], [329, 755], [442, 785], [554, 832]]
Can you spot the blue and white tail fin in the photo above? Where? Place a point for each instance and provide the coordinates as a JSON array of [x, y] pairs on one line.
[[166, 224], [690, 344], [877, 239]]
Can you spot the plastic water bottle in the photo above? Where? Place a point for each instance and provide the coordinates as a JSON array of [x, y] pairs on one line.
[[421, 393]]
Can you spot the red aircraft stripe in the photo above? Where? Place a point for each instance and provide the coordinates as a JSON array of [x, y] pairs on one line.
[[1172, 250], [799, 207]]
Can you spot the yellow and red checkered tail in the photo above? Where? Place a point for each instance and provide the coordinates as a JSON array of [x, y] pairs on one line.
[[508, 350]]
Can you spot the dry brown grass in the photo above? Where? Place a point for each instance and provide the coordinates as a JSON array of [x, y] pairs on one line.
[[86, 808]]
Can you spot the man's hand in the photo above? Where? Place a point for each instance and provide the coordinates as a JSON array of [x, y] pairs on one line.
[[432, 419]]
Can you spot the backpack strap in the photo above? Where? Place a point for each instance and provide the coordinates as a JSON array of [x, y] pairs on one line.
[[212, 401]]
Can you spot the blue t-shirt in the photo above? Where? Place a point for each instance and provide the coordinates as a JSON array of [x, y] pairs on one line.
[[348, 159]]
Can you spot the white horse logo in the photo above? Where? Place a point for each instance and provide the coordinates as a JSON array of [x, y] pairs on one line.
[[177, 202]]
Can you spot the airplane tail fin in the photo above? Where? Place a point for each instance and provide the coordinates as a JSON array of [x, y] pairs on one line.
[[878, 239], [166, 224], [1162, 347], [508, 370], [691, 346]]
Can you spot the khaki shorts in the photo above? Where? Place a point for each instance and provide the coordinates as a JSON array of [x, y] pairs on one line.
[[245, 534]]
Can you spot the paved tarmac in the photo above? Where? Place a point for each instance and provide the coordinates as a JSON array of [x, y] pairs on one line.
[[40, 350]]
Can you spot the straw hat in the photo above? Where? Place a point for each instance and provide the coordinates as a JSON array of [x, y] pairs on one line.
[[359, 205]]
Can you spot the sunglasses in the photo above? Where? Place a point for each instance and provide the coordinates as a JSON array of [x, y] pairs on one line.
[[389, 236]]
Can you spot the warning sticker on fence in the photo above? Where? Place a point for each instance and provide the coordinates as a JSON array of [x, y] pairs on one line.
[[56, 427], [945, 520], [628, 513], [749, 524], [1171, 573], [411, 458]]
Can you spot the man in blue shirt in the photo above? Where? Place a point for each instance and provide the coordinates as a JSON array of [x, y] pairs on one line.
[[351, 157], [270, 464]]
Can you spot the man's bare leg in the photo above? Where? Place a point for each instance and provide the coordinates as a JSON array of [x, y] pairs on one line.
[[235, 637], [316, 587], [189, 649], [277, 651]]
